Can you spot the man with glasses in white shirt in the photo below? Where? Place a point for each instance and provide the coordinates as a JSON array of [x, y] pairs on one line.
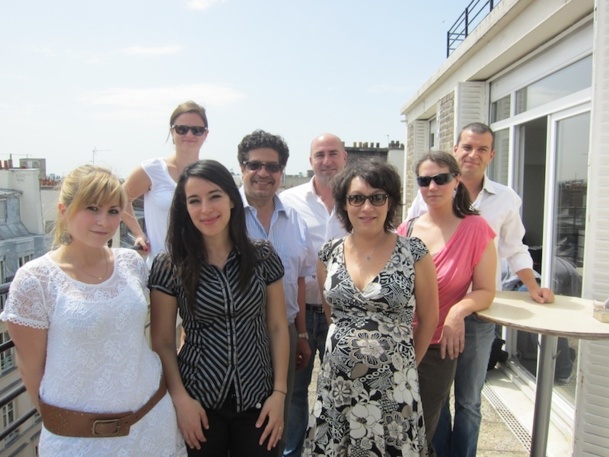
[[315, 203]]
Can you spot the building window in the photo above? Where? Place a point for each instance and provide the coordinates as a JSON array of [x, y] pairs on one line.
[[3, 211], [7, 358], [25, 259], [8, 417], [433, 132], [569, 80], [500, 109], [3, 296], [498, 168]]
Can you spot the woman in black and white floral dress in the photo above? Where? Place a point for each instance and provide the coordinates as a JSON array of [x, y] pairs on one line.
[[368, 399]]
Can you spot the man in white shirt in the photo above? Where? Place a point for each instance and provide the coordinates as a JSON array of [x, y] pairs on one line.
[[262, 157], [315, 203], [500, 206]]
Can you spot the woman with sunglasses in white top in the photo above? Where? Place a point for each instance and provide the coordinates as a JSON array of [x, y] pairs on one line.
[[461, 245], [156, 179]]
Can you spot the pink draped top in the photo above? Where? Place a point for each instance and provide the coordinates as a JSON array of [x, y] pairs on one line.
[[455, 263]]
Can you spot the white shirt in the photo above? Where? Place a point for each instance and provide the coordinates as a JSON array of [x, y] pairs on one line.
[[500, 206], [322, 225], [289, 236], [157, 202]]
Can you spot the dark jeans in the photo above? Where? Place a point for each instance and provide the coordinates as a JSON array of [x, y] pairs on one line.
[[232, 433], [298, 419]]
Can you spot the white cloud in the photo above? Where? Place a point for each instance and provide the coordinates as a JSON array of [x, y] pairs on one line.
[[97, 58], [56, 52], [44, 51], [130, 103], [15, 76], [386, 89], [201, 4], [152, 51]]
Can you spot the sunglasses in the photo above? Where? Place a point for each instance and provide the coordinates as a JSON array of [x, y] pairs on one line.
[[439, 179], [183, 129], [255, 165], [375, 200]]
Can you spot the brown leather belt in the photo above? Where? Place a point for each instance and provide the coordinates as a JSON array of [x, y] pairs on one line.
[[67, 422]]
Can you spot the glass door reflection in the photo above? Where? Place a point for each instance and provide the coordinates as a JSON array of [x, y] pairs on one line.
[[569, 147]]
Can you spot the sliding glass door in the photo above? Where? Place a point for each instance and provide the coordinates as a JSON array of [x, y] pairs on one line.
[[552, 179]]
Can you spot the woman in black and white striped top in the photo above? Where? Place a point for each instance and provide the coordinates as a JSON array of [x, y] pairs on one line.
[[228, 381]]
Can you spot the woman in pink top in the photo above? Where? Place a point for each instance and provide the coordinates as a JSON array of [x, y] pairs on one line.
[[461, 244]]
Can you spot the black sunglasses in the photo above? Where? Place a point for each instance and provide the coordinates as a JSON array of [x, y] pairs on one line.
[[255, 165], [183, 129], [375, 200], [440, 179]]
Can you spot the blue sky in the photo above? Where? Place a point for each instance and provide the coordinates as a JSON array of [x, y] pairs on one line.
[[105, 75]]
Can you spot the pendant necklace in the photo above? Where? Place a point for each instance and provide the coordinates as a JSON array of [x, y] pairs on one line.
[[369, 256], [99, 278]]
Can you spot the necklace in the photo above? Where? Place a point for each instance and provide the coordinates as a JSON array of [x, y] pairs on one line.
[[368, 257], [99, 278], [219, 260]]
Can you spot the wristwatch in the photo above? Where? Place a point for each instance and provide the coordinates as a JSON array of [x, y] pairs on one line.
[[303, 335]]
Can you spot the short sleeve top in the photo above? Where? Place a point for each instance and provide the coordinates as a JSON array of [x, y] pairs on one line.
[[227, 346]]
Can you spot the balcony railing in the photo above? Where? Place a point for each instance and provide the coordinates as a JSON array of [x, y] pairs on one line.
[[475, 12], [7, 363]]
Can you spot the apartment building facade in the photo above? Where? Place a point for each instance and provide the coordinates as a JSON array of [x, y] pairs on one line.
[[537, 71]]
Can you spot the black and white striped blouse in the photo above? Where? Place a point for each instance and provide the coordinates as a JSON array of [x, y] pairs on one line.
[[227, 345]]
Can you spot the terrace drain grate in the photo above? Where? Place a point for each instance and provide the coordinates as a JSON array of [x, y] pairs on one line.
[[510, 420]]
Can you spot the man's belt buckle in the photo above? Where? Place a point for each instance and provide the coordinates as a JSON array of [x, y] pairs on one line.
[[319, 309], [106, 422]]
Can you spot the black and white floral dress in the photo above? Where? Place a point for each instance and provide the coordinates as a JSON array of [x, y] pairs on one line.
[[368, 401]]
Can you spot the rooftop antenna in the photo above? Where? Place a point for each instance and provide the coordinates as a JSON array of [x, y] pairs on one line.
[[95, 151], [10, 157]]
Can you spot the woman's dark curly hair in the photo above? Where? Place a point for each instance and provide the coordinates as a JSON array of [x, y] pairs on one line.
[[462, 203], [377, 174], [185, 242]]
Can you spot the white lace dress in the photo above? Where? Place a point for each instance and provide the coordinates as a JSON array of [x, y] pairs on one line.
[[98, 358]]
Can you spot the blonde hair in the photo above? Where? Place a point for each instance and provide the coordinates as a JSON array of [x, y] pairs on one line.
[[87, 184]]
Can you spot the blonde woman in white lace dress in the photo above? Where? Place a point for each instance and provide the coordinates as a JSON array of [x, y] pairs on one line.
[[77, 317]]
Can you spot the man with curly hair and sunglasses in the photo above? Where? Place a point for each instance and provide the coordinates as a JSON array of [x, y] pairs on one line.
[[262, 158]]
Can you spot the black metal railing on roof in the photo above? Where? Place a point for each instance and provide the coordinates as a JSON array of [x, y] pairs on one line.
[[474, 13], [7, 362]]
